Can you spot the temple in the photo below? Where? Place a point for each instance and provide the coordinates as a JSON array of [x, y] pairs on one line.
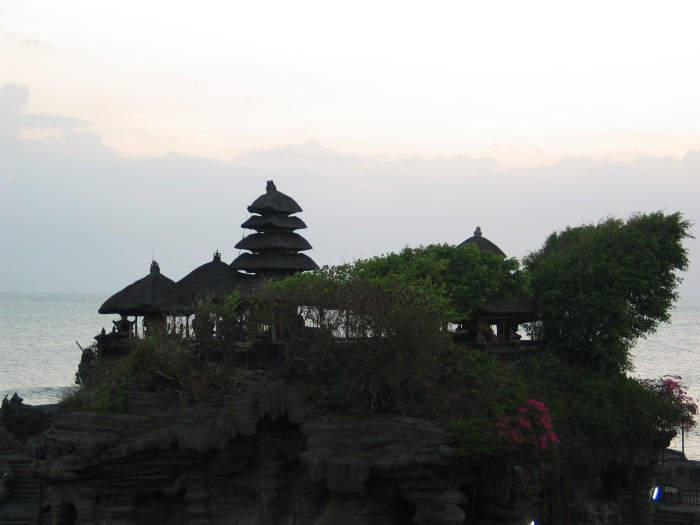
[[274, 251], [275, 246], [498, 321]]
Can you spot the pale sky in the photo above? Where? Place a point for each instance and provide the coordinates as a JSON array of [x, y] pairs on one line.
[[136, 128]]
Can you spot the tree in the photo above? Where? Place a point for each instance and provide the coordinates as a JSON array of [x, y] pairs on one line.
[[371, 334], [465, 275], [601, 287]]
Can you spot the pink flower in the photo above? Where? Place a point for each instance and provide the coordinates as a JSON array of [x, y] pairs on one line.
[[539, 405], [545, 422], [524, 423]]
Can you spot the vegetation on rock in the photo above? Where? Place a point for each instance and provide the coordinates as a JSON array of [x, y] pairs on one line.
[[465, 276], [371, 337], [601, 287]]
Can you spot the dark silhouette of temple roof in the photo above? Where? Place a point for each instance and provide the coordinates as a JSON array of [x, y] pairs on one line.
[[273, 201], [273, 223], [154, 294], [275, 248], [217, 279], [274, 241], [274, 263], [521, 308], [483, 243]]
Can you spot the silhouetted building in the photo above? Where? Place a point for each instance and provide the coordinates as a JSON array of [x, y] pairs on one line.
[[498, 320], [275, 246], [483, 243], [217, 280]]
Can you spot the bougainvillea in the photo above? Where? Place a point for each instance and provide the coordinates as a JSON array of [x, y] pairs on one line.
[[531, 426], [679, 408]]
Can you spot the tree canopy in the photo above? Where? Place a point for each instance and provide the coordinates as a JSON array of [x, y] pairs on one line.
[[465, 275], [601, 287]]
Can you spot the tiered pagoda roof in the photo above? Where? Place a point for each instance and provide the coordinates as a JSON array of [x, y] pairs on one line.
[[275, 247]]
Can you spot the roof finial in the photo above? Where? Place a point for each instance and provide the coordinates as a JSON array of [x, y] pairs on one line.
[[477, 232], [271, 186], [155, 267], [217, 255]]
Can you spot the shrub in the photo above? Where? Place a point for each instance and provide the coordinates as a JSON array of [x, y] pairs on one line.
[[157, 363], [360, 344]]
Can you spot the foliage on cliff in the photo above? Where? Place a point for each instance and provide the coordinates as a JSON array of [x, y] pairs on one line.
[[359, 344], [465, 276], [601, 287], [158, 363]]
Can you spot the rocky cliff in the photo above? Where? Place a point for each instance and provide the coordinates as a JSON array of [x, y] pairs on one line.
[[259, 458], [253, 458]]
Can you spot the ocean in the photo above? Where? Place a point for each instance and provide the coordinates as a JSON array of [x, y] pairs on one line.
[[40, 334]]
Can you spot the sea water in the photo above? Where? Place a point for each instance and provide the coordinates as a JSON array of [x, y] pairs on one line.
[[41, 336], [674, 349]]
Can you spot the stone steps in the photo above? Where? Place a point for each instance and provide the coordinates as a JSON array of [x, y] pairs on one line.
[[6, 450], [25, 489], [16, 520], [672, 517], [26, 494]]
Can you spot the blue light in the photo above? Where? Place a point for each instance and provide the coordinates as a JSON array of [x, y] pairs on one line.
[[655, 494]]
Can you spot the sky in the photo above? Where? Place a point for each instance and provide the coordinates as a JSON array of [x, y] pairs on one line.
[[139, 130]]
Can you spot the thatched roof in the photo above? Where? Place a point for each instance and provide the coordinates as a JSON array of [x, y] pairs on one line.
[[155, 294], [265, 263], [274, 201], [274, 240], [217, 279], [263, 223], [483, 243], [522, 309]]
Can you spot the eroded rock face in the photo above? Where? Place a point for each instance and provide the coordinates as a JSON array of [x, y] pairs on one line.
[[258, 458], [255, 458]]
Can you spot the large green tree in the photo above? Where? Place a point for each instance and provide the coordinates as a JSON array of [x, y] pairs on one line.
[[601, 287], [465, 275]]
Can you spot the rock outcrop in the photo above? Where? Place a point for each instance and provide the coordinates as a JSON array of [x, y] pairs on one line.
[[260, 458], [254, 458]]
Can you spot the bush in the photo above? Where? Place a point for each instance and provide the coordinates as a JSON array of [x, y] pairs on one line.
[[360, 344], [609, 407], [157, 363]]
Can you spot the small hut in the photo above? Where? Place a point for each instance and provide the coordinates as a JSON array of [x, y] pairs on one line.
[[499, 319], [217, 280], [275, 247], [154, 297], [483, 243]]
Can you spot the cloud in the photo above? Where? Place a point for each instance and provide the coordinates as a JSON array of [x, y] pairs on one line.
[[44, 120], [14, 98], [32, 42], [75, 215]]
